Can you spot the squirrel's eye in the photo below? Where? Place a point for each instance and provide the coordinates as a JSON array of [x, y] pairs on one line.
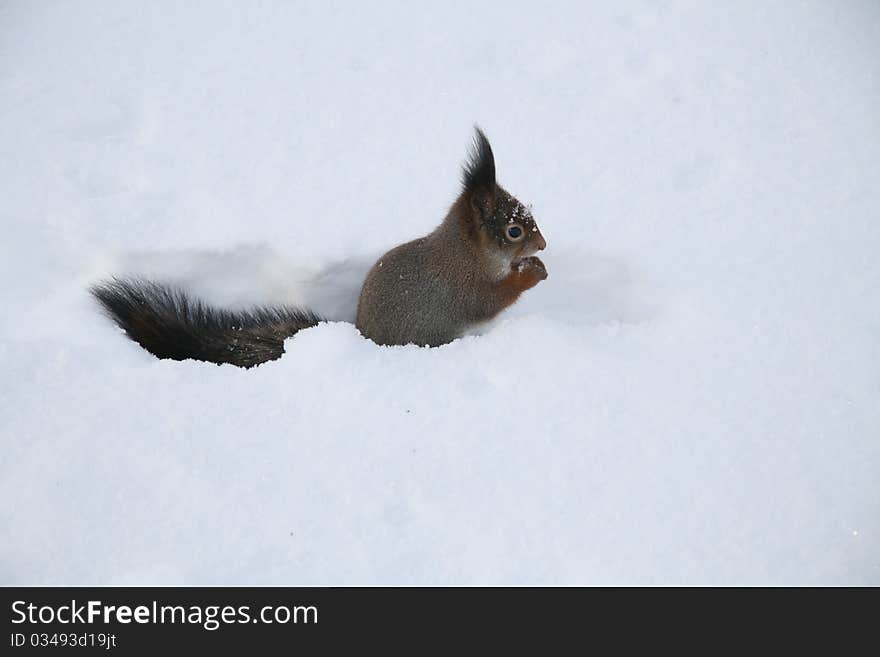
[[514, 232]]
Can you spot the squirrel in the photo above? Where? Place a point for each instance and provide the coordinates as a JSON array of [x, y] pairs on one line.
[[427, 292]]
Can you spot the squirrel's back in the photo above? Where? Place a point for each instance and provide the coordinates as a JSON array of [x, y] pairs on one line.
[[409, 296]]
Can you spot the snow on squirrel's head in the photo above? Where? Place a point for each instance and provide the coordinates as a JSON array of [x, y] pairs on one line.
[[504, 227]]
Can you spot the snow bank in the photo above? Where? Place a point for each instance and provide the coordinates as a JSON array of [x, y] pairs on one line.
[[693, 396]]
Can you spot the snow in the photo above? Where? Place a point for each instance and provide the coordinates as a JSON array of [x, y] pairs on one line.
[[691, 397]]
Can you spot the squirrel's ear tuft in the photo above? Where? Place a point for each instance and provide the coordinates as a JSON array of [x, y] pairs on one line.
[[478, 174]]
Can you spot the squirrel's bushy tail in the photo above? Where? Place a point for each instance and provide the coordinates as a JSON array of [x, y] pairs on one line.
[[168, 324]]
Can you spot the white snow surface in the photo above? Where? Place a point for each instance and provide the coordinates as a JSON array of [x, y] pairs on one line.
[[691, 397]]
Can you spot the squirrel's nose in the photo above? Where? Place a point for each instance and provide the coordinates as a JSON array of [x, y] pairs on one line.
[[540, 242]]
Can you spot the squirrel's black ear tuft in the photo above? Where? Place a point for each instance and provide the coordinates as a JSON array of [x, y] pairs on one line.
[[479, 170]]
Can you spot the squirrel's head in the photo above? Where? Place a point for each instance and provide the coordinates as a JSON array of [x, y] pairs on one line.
[[503, 228]]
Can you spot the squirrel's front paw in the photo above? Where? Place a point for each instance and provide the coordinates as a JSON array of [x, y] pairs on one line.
[[533, 269]]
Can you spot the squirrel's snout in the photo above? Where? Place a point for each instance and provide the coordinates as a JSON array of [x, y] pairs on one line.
[[540, 242]]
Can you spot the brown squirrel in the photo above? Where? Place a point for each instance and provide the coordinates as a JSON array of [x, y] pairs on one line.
[[428, 292]]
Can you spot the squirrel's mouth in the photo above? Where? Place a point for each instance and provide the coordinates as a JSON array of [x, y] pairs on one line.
[[527, 251], [517, 262]]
